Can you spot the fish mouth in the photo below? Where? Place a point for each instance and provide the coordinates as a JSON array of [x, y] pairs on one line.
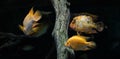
[[72, 26]]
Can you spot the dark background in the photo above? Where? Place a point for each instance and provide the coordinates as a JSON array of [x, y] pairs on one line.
[[12, 13]]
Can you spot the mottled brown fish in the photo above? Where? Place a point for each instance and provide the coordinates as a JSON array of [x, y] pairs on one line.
[[85, 23], [79, 43], [31, 27]]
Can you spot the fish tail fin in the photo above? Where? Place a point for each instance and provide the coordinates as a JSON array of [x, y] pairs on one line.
[[100, 26], [91, 44], [37, 15]]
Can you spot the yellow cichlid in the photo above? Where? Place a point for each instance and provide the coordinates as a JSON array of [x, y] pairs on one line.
[[79, 43], [31, 27], [86, 24]]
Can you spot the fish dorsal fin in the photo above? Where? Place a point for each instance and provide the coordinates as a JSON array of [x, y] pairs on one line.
[[28, 17], [84, 37], [30, 14], [31, 11], [37, 15]]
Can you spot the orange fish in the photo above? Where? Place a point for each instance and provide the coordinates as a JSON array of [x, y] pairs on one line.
[[79, 43], [85, 23], [31, 26]]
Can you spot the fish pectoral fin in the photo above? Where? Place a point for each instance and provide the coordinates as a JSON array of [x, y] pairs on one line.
[[85, 49], [21, 27], [36, 29], [37, 15]]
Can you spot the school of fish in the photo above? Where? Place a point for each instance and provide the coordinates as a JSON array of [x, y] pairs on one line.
[[83, 24], [80, 24]]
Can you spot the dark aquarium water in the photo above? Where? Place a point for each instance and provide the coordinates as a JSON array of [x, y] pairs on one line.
[[14, 44]]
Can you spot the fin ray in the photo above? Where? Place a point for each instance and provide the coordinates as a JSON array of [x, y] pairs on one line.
[[37, 15]]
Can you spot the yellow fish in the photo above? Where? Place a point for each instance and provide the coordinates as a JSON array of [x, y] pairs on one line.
[[31, 27], [79, 43], [85, 23]]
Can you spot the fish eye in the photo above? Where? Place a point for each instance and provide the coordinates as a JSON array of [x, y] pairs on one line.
[[89, 21], [67, 44]]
